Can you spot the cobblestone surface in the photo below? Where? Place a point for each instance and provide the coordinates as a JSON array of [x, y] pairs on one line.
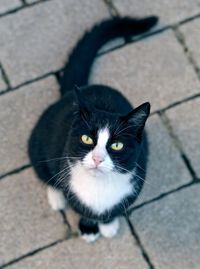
[[6, 5], [169, 11], [32, 1], [169, 230], [36, 37], [116, 253], [191, 32], [186, 125], [148, 71], [27, 220], [19, 111], [44, 36], [2, 82]]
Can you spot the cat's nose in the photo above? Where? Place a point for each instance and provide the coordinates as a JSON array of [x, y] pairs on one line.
[[97, 159]]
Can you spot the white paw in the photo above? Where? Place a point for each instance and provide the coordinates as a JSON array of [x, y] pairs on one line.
[[90, 238], [109, 230], [56, 199]]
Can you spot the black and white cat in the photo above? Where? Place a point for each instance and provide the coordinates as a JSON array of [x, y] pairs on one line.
[[89, 147]]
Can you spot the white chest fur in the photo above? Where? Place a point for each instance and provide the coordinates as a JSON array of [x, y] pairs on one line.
[[99, 191]]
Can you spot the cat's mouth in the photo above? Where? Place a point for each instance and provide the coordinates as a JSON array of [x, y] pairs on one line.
[[96, 169]]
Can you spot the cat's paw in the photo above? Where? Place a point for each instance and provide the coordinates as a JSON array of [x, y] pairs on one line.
[[56, 199], [90, 238], [89, 230], [110, 229]]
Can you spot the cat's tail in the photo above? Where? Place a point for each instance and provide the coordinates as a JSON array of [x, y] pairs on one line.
[[77, 70]]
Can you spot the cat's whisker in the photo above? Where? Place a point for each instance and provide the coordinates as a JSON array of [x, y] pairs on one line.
[[136, 175], [59, 158], [120, 131], [57, 174], [119, 124], [128, 127], [61, 179], [140, 167], [146, 181], [58, 184], [124, 169], [125, 207], [64, 174]]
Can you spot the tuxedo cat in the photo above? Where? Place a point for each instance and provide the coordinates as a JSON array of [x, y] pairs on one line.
[[90, 147]]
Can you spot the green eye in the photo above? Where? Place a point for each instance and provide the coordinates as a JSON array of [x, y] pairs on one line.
[[86, 140], [117, 146]]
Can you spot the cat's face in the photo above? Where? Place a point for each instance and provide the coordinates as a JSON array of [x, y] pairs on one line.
[[98, 157], [103, 142]]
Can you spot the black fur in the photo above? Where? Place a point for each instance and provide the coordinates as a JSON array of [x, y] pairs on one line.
[[57, 133], [87, 226]]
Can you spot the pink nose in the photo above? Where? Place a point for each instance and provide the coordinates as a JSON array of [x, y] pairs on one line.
[[97, 159]]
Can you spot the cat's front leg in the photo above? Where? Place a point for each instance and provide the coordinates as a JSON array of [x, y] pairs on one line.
[[56, 198], [109, 229], [89, 230]]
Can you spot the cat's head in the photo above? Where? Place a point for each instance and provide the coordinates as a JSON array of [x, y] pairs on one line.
[[103, 141]]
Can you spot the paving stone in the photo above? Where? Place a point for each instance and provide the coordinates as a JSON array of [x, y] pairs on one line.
[[44, 34], [27, 222], [154, 69], [166, 170], [2, 83], [186, 125], [6, 5], [32, 1], [168, 11], [19, 111], [191, 32], [169, 229], [120, 252]]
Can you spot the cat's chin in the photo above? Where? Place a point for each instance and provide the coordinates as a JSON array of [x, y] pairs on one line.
[[96, 170]]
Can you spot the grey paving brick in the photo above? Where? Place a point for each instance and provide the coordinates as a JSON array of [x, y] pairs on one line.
[[2, 83], [154, 69], [168, 11], [120, 252], [166, 170], [27, 222], [191, 33], [19, 111], [186, 125], [6, 5], [32, 1], [169, 229], [44, 34]]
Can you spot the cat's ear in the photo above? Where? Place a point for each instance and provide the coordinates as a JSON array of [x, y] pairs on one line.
[[84, 107], [137, 118]]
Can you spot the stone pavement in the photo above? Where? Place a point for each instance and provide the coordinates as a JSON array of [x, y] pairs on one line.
[[163, 227]]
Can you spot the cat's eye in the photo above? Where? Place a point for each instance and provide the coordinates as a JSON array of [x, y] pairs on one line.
[[86, 140], [117, 146]]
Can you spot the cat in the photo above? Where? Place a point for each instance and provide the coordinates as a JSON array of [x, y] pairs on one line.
[[90, 147]]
